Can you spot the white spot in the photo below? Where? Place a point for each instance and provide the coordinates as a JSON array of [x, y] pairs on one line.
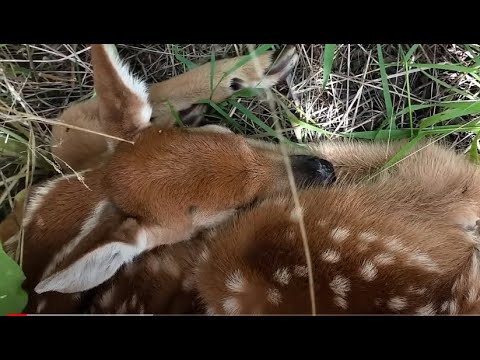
[[274, 297], [428, 309], [331, 256], [368, 271], [417, 291], [296, 214], [91, 270], [282, 276], [135, 85], [205, 221], [87, 226], [444, 307], [235, 282], [170, 266], [300, 271], [134, 301], [397, 303], [367, 236], [421, 259], [394, 244], [41, 305], [340, 285], [122, 309], [40, 221], [205, 254], [383, 259], [452, 307], [339, 234], [340, 302], [210, 310], [322, 222], [231, 306], [378, 302]]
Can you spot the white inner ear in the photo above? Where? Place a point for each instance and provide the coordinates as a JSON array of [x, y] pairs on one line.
[[91, 270], [136, 85]]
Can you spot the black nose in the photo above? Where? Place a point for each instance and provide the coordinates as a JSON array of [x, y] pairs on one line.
[[312, 171]]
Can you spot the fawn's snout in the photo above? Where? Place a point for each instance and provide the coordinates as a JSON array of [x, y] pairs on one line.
[[310, 170]]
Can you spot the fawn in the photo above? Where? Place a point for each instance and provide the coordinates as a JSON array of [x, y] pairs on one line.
[[403, 240]]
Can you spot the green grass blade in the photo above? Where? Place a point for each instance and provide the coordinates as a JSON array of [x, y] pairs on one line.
[[449, 67], [402, 152], [212, 71], [386, 90], [449, 114], [328, 56], [253, 118], [175, 114], [473, 153], [410, 52], [189, 64], [224, 115]]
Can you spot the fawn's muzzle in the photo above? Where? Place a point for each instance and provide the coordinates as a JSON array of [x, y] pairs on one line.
[[312, 171]]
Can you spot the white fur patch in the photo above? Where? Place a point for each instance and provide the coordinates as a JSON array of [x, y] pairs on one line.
[[87, 226], [368, 271], [300, 271], [397, 303], [417, 258], [134, 84], [209, 310], [41, 305], [122, 309], [205, 254], [331, 256], [417, 291], [92, 269], [231, 306], [235, 282], [296, 214], [205, 221], [274, 297], [282, 276], [367, 236], [339, 234], [340, 302], [340, 285], [394, 244], [134, 301], [428, 309], [383, 259]]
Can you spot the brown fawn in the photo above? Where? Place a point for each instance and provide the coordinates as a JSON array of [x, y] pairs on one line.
[[403, 240]]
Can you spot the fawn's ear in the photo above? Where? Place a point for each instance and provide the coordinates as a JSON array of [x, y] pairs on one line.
[[99, 265], [124, 108]]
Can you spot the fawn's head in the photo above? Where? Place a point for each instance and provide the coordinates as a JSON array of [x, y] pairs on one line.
[[183, 170]]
